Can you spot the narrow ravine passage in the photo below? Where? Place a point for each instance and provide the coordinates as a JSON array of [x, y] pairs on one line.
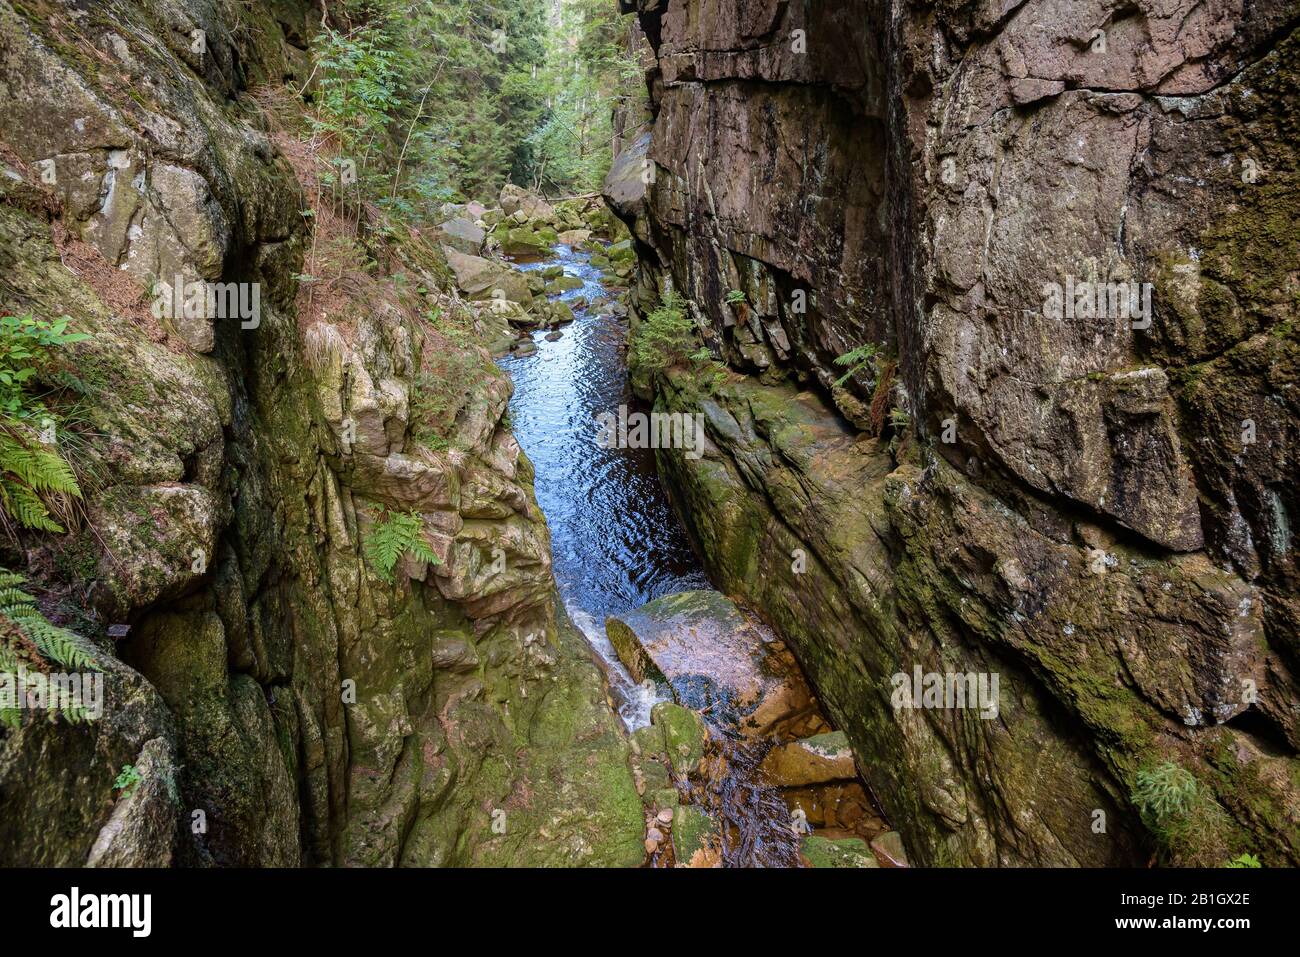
[[615, 541], [617, 544]]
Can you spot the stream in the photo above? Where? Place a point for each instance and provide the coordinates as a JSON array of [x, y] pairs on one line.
[[615, 540], [617, 543]]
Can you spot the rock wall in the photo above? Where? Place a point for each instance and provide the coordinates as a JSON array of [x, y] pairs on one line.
[[1093, 504], [282, 702]]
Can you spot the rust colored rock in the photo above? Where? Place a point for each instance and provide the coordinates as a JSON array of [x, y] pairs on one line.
[[816, 760]]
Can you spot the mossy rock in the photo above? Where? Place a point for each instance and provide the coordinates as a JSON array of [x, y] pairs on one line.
[[846, 852], [563, 284], [684, 735], [693, 830]]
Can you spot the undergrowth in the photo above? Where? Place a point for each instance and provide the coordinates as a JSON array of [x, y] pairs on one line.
[[30, 645], [37, 483], [395, 535]]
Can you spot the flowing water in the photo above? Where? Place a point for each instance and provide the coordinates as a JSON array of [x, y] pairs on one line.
[[615, 539], [617, 543]]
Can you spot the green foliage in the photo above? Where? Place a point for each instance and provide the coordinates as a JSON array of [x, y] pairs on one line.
[[857, 360], [128, 779], [27, 346], [448, 376], [1177, 811], [735, 297], [441, 101], [587, 69], [28, 640], [31, 478], [398, 534], [664, 337], [1244, 860], [1164, 792], [34, 477]]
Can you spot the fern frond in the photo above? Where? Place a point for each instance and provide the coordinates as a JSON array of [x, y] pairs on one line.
[[398, 534], [57, 644], [18, 612], [26, 507]]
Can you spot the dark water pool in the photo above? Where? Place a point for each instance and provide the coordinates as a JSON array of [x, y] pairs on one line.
[[615, 539]]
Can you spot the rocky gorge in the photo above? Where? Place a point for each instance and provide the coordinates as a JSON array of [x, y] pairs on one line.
[[1095, 508], [951, 577]]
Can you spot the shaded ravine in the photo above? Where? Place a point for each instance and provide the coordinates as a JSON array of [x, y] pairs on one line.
[[616, 542]]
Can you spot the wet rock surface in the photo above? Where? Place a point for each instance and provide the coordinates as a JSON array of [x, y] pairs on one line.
[[1063, 499], [311, 708]]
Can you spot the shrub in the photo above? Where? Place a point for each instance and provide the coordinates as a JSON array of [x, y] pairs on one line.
[[1178, 812], [27, 344], [664, 338]]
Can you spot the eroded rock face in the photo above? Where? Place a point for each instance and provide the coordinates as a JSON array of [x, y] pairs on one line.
[[274, 682], [1067, 231]]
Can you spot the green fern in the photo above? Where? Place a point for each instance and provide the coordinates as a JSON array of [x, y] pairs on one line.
[[1244, 860], [664, 337], [398, 534], [857, 360], [35, 479], [28, 640], [32, 477]]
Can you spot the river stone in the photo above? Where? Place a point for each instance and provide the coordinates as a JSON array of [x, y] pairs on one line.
[[816, 760], [621, 252], [684, 736], [836, 804], [481, 278], [717, 659], [563, 284], [654, 775], [846, 852], [462, 235], [665, 798], [693, 832], [889, 848], [522, 241], [649, 740], [515, 199], [575, 237]]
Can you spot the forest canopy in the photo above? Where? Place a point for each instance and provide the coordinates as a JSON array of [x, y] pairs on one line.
[[449, 100]]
